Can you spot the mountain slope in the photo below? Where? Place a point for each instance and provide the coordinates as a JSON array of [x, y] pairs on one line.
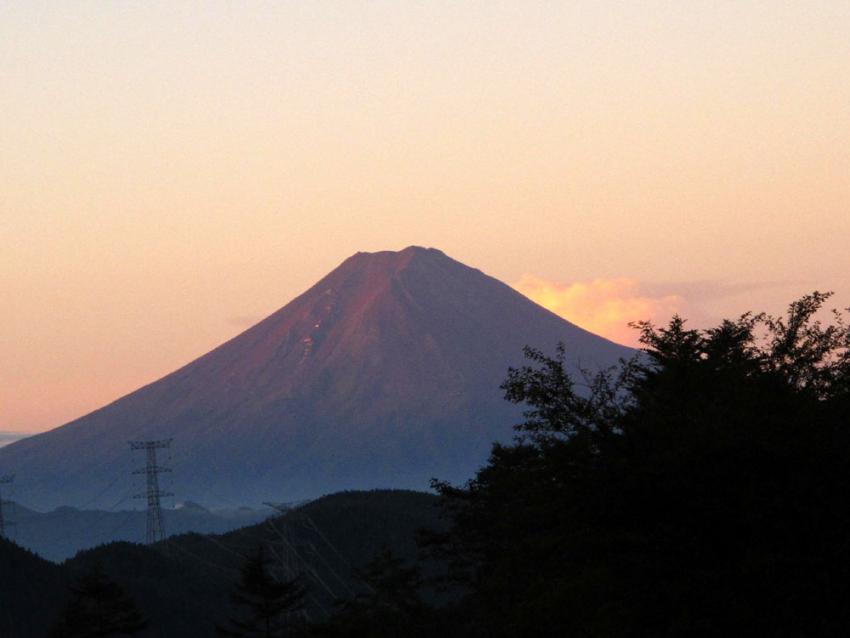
[[385, 373]]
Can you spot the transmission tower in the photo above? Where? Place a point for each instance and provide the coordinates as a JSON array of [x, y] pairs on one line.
[[8, 479], [301, 551], [155, 527], [285, 549]]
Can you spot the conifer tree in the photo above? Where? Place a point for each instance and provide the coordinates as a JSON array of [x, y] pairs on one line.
[[392, 607], [265, 606], [98, 607]]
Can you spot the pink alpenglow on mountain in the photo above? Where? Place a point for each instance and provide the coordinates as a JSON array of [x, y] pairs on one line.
[[386, 373]]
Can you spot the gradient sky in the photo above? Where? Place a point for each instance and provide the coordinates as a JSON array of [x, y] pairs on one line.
[[172, 171]]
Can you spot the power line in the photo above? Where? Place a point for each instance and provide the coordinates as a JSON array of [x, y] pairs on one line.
[[170, 543], [102, 492], [124, 520]]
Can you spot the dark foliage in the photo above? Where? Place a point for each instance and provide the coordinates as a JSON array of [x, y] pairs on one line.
[[391, 608], [98, 607], [180, 594], [264, 605], [700, 490], [183, 585], [28, 586]]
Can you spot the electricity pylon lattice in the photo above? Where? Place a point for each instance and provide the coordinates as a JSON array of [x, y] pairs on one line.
[[284, 549], [8, 479], [156, 527]]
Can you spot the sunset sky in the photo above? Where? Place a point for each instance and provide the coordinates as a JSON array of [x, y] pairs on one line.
[[171, 172]]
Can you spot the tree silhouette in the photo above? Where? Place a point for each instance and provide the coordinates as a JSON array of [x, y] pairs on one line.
[[699, 490], [98, 607], [265, 606], [393, 584], [392, 607]]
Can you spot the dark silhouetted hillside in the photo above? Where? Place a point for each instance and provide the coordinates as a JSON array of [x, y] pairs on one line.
[[31, 590], [182, 585]]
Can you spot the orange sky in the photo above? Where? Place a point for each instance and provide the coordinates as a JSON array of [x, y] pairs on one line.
[[171, 171]]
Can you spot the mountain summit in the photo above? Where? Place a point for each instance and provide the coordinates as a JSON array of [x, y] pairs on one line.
[[384, 374]]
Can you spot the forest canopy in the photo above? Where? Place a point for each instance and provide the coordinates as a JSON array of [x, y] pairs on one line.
[[700, 489]]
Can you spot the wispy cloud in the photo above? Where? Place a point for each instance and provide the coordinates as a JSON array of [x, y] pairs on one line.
[[703, 290], [603, 306]]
